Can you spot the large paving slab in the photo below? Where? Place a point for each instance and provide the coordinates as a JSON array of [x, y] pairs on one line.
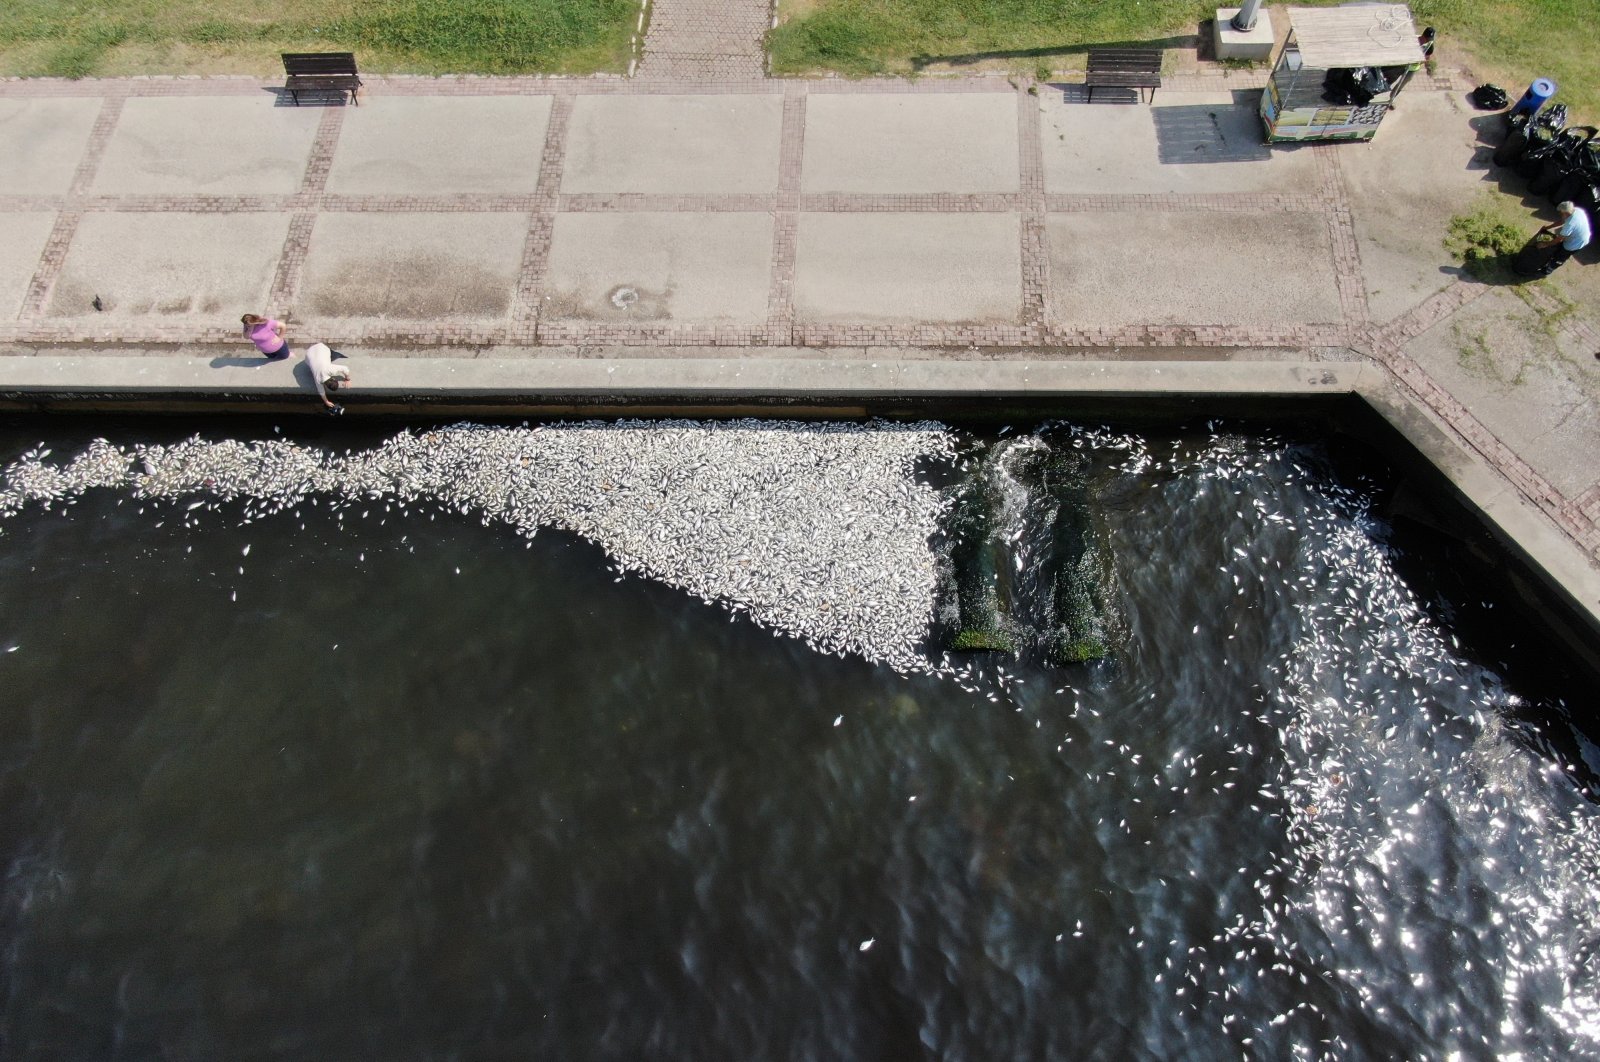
[[1526, 381], [424, 145], [41, 143], [170, 265], [885, 268], [1424, 167], [875, 142], [652, 267], [673, 144], [22, 239], [1188, 143], [208, 145], [412, 266], [1191, 269]]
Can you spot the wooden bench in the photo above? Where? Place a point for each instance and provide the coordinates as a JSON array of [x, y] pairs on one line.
[[1136, 68], [321, 72]]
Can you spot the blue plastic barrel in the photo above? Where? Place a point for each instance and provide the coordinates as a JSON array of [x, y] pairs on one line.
[[1537, 96]]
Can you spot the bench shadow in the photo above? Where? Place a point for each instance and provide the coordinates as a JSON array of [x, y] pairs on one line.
[[309, 97], [921, 62], [1200, 133], [1080, 94]]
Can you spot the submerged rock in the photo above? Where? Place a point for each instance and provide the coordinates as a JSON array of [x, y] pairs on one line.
[[1090, 622], [1029, 561]]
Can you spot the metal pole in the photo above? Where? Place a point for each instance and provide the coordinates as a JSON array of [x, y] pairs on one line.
[[1245, 20]]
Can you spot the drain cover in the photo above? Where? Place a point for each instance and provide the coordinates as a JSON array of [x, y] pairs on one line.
[[623, 298]]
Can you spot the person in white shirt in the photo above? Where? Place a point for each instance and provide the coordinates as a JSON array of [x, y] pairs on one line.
[[326, 375], [1573, 232]]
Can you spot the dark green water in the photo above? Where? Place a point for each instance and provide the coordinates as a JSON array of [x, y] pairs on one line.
[[404, 787]]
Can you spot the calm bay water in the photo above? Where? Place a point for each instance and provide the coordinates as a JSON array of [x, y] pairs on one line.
[[401, 785]]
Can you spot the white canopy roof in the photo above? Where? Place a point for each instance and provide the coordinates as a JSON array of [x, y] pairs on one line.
[[1356, 35]]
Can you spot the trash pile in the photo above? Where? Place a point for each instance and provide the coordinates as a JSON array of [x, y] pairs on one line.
[[1560, 162]]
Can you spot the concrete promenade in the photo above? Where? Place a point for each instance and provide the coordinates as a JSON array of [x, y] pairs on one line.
[[647, 221]]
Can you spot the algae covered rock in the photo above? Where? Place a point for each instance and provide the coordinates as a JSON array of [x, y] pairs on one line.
[[1030, 568]]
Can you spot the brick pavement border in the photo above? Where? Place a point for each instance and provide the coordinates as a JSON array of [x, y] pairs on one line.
[[525, 302], [786, 218], [1032, 201]]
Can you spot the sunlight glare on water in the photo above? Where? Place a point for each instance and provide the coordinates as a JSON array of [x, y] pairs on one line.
[[326, 774]]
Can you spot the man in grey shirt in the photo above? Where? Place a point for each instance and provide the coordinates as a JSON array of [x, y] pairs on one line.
[[326, 375]]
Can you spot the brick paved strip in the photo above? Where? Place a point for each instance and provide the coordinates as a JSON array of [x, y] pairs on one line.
[[95, 148], [28, 204], [541, 223], [326, 142], [1432, 310], [1197, 335], [404, 335], [462, 202], [1347, 273], [567, 333], [1176, 202], [1588, 504], [953, 335], [1347, 269], [51, 260], [291, 262], [1330, 175], [186, 204], [297, 241], [912, 202], [1035, 255], [635, 202], [1555, 310], [786, 218], [706, 40]]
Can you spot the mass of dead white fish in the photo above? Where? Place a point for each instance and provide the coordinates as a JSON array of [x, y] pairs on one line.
[[819, 531]]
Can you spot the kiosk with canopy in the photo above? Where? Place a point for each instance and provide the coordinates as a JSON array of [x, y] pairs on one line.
[[1340, 71]]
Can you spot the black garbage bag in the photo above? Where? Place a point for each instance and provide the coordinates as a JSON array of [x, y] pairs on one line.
[[1490, 98], [1343, 88]]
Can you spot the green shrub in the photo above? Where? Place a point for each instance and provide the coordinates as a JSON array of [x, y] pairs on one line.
[[1482, 240]]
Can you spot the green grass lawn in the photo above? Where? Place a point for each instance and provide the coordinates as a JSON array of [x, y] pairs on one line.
[[1511, 41], [78, 38]]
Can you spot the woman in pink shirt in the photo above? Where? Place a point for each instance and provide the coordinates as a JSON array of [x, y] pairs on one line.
[[267, 335]]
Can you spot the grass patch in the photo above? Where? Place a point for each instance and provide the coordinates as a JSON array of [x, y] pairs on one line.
[[860, 37], [1485, 240], [1511, 41], [78, 38]]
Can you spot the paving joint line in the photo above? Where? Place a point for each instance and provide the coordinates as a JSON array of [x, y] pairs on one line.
[[1034, 234], [1347, 274], [305, 204], [525, 317], [786, 219]]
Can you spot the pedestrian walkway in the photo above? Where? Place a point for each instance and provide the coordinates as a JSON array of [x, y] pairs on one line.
[[950, 218], [706, 40]]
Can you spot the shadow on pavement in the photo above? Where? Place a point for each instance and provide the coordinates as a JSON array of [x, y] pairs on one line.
[[243, 362], [1208, 133], [309, 97]]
